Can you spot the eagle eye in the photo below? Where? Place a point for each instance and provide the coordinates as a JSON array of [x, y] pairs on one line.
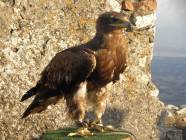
[[114, 19]]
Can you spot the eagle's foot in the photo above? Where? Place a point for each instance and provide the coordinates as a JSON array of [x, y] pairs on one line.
[[96, 126], [81, 124], [82, 131], [100, 127]]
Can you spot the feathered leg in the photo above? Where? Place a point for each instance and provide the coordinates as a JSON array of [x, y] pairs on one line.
[[98, 99], [99, 111], [100, 105], [80, 112], [77, 104]]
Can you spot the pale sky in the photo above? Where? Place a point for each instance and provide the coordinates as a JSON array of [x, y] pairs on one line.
[[171, 28]]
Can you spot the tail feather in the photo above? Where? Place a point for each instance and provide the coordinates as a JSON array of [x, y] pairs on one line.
[[29, 109], [37, 106], [30, 93], [44, 98]]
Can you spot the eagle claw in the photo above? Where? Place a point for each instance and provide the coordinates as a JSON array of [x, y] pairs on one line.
[[82, 124], [100, 127], [82, 131]]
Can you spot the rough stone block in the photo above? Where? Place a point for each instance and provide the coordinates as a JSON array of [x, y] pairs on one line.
[[172, 134], [143, 5]]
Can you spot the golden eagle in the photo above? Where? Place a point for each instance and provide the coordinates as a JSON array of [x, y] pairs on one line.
[[80, 74]]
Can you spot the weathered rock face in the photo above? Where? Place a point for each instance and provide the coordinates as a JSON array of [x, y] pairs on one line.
[[31, 32], [139, 5], [173, 123]]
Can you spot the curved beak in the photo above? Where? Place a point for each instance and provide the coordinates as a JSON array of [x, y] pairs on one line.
[[129, 27], [123, 23]]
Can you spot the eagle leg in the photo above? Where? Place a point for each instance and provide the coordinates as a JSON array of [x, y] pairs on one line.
[[99, 111], [77, 105], [79, 114]]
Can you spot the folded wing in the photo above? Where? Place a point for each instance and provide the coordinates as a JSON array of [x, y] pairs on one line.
[[61, 77]]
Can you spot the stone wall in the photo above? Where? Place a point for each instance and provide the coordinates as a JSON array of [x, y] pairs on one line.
[[173, 123], [32, 31]]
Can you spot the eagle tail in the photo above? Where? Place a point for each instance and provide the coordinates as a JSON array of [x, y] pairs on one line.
[[44, 98], [30, 93], [29, 109]]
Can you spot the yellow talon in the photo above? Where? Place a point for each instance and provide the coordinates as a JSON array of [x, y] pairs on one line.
[[101, 127], [72, 134], [81, 132], [109, 128]]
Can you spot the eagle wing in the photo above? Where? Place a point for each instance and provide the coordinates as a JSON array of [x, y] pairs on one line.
[[69, 68], [60, 78]]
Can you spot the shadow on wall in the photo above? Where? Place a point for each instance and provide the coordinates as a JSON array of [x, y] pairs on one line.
[[112, 116]]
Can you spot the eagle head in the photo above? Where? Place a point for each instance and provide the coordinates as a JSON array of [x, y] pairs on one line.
[[111, 21]]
